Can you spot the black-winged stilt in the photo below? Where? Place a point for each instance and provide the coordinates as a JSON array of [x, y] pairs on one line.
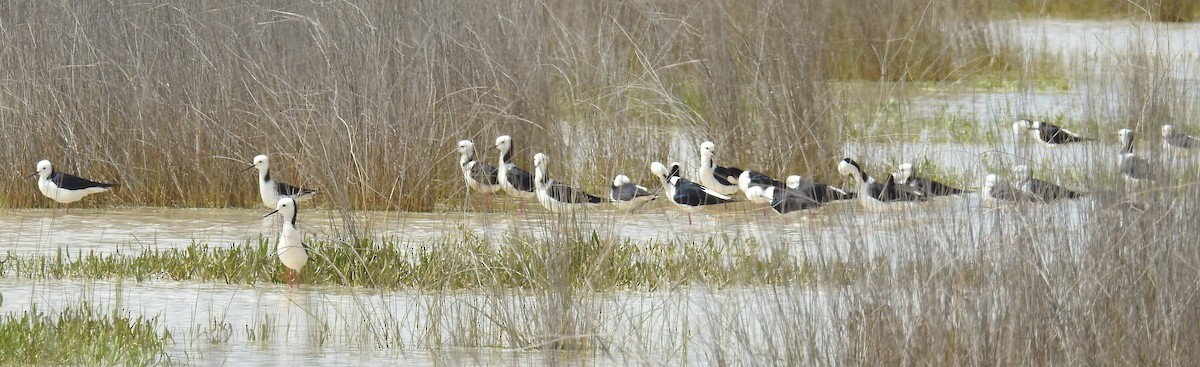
[[880, 197], [65, 188], [556, 197], [628, 196], [1052, 135], [1178, 143], [479, 176], [717, 178], [904, 176], [783, 200], [515, 181], [686, 194], [290, 249], [1136, 170], [817, 191], [1041, 190], [271, 190], [996, 192]]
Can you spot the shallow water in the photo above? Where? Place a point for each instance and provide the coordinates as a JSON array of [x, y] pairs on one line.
[[272, 325]]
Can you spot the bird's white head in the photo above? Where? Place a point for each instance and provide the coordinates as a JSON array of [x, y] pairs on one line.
[[465, 147], [262, 162], [44, 169], [1126, 135], [504, 143], [708, 149], [1168, 130], [621, 180], [848, 167], [1021, 126], [793, 181], [287, 208], [754, 193], [989, 182], [743, 181], [540, 159], [1022, 172], [1037, 125], [904, 172], [658, 169]]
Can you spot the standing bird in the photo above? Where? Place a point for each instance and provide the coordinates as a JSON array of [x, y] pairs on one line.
[[65, 188], [714, 177], [1054, 135], [292, 251], [1040, 190], [627, 195], [933, 188], [270, 190], [515, 181], [686, 194], [876, 196], [556, 197], [817, 191], [481, 177], [995, 192], [1136, 170], [1178, 143]]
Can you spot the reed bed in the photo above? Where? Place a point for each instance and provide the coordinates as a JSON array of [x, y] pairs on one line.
[[366, 101]]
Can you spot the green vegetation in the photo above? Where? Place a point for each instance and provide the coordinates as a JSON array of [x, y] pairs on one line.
[[587, 262], [78, 336]]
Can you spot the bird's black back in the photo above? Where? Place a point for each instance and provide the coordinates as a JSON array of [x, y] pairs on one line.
[[485, 173], [520, 179], [568, 194], [692, 194], [628, 192], [890, 191], [721, 174], [1054, 135], [1048, 191], [289, 190], [787, 200], [934, 188], [760, 179], [71, 182]]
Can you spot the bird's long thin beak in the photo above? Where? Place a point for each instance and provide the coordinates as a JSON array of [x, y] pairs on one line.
[[271, 213], [31, 175], [247, 168]]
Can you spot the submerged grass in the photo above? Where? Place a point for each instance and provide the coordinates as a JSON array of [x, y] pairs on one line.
[[79, 336], [454, 263]]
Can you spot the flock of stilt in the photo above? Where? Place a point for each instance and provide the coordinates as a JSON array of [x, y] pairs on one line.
[[291, 250], [719, 184]]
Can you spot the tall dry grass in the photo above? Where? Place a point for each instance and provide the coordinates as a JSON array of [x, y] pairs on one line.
[[364, 101]]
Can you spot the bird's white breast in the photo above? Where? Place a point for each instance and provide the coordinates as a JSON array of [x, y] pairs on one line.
[[291, 248]]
